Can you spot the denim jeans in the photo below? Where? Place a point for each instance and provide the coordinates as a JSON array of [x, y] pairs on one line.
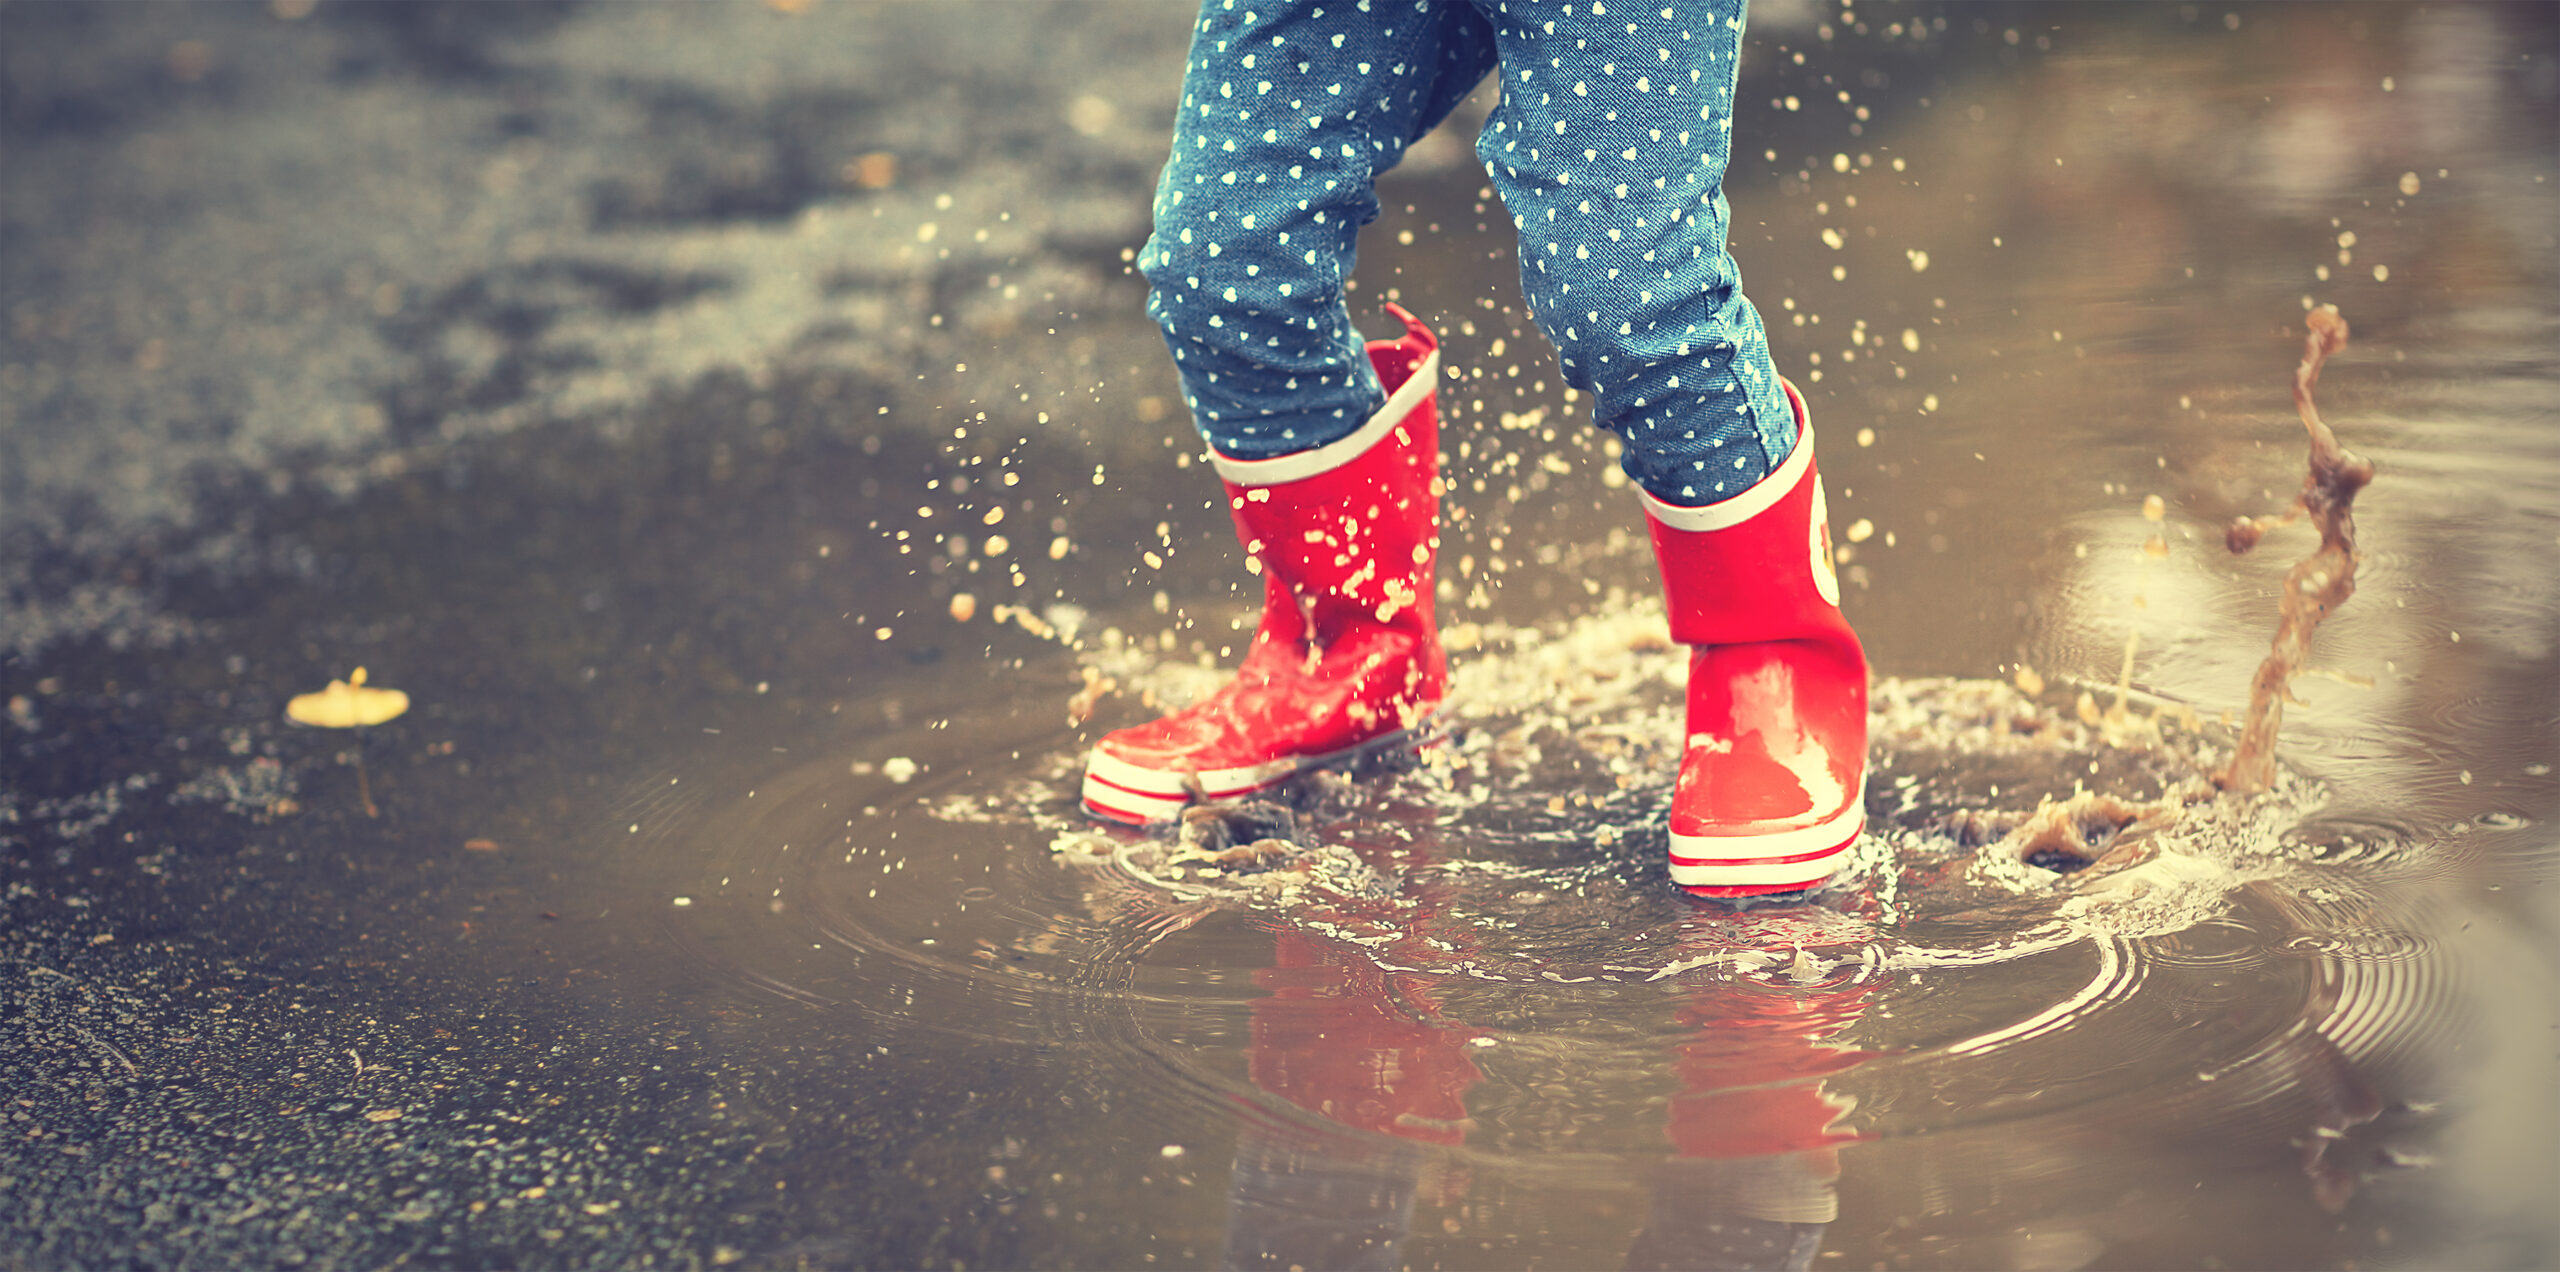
[[1608, 147]]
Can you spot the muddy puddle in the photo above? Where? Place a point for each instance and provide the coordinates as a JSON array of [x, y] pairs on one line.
[[1464, 1017], [765, 486]]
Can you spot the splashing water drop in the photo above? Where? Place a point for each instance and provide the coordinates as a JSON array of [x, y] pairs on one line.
[[2319, 583]]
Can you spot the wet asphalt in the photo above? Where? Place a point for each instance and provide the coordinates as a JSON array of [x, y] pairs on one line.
[[508, 349]]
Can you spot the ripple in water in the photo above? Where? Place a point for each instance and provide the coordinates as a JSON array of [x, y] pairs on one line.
[[1481, 953]]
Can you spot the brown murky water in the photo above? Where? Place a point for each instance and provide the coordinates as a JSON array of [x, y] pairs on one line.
[[1475, 1029], [772, 937]]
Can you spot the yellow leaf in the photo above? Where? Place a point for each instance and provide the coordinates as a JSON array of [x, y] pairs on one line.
[[346, 704]]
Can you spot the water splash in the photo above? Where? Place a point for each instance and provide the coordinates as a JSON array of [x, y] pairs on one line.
[[2317, 584]]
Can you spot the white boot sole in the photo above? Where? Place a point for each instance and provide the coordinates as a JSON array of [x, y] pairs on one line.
[[1135, 795], [1798, 858]]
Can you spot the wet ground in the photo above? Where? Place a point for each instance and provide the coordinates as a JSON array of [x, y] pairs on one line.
[[641, 389]]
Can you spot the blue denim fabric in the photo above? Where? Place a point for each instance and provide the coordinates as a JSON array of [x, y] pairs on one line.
[[1609, 148]]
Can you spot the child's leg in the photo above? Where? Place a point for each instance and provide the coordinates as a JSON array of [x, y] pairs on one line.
[[1290, 110], [1609, 147]]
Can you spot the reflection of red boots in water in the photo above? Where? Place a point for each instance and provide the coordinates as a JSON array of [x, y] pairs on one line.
[[1351, 1043], [1347, 658], [1751, 1076], [1772, 784], [1754, 1127], [1756, 1132], [1356, 1045]]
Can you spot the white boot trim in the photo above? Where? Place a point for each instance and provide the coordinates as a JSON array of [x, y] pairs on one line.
[[1810, 870], [1753, 851], [1136, 779], [1798, 874], [1133, 807], [1125, 791], [1282, 469], [1763, 495]]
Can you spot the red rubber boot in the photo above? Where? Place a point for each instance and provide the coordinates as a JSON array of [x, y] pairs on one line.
[[1773, 780], [1347, 660]]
